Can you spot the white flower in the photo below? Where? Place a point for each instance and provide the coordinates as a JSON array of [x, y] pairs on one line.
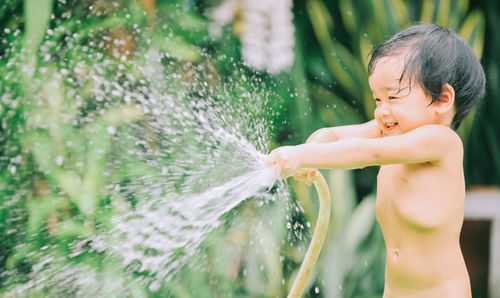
[[268, 35], [267, 32]]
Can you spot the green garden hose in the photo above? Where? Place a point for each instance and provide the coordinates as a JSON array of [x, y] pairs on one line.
[[317, 238]]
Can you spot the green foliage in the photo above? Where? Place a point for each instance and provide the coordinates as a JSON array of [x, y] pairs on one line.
[[482, 157], [59, 136], [57, 141]]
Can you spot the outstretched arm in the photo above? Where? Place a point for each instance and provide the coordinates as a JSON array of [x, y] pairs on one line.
[[369, 129], [429, 143]]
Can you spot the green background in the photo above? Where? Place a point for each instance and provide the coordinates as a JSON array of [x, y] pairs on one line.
[[42, 204]]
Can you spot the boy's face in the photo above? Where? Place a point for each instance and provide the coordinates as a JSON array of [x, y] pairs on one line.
[[399, 108]]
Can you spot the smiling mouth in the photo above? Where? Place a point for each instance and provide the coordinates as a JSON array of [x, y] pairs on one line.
[[390, 126]]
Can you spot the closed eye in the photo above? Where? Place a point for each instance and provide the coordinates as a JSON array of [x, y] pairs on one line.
[[393, 97]]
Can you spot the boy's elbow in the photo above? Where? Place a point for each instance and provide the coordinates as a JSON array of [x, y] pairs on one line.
[[323, 135]]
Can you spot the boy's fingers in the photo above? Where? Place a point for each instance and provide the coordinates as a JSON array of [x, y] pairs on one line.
[[312, 174], [305, 175], [270, 160]]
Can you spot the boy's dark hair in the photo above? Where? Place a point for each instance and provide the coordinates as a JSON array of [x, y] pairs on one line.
[[436, 56]]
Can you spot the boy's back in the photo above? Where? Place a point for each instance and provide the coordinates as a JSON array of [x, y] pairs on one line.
[[420, 209]]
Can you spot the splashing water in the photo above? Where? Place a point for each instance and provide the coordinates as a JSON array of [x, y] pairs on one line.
[[171, 224], [173, 230], [186, 163]]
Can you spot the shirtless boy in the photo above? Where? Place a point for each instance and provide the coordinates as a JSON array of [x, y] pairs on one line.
[[424, 80]]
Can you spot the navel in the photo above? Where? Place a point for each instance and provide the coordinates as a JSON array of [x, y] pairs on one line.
[[395, 254]]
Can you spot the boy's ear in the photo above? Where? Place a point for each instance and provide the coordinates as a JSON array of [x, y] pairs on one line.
[[446, 99]]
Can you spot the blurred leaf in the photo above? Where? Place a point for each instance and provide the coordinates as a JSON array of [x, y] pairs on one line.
[[472, 31], [427, 12], [400, 12], [340, 61], [71, 184], [360, 223], [270, 258], [393, 24], [350, 15], [125, 113], [299, 91], [379, 16], [304, 199], [354, 244], [365, 48], [37, 16], [352, 18], [318, 70], [138, 13], [40, 145], [193, 27], [178, 290], [70, 228], [99, 135], [17, 256], [443, 12], [94, 26], [458, 10], [343, 198], [40, 209], [338, 112], [176, 47]]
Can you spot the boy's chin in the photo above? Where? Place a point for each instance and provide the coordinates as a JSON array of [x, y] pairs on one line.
[[391, 133]]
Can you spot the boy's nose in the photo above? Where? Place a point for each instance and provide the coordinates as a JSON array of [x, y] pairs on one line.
[[382, 110]]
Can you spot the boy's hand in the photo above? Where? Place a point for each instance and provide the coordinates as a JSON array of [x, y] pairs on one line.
[[285, 160], [306, 175]]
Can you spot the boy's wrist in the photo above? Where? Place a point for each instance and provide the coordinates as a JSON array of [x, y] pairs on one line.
[[301, 154]]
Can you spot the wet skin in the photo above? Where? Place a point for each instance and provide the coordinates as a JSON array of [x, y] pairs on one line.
[[420, 185]]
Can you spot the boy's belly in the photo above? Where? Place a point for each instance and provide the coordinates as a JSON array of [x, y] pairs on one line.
[[421, 218], [453, 288], [413, 273]]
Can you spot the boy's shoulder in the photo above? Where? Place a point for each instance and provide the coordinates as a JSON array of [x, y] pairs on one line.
[[438, 131], [440, 136]]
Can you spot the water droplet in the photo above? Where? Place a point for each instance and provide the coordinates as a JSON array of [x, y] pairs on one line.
[[12, 169], [59, 160], [155, 286], [111, 130]]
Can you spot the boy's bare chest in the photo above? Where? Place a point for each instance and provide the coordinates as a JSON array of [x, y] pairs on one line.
[[410, 194], [404, 180]]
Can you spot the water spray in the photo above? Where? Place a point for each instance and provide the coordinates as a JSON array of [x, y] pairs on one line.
[[317, 238]]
